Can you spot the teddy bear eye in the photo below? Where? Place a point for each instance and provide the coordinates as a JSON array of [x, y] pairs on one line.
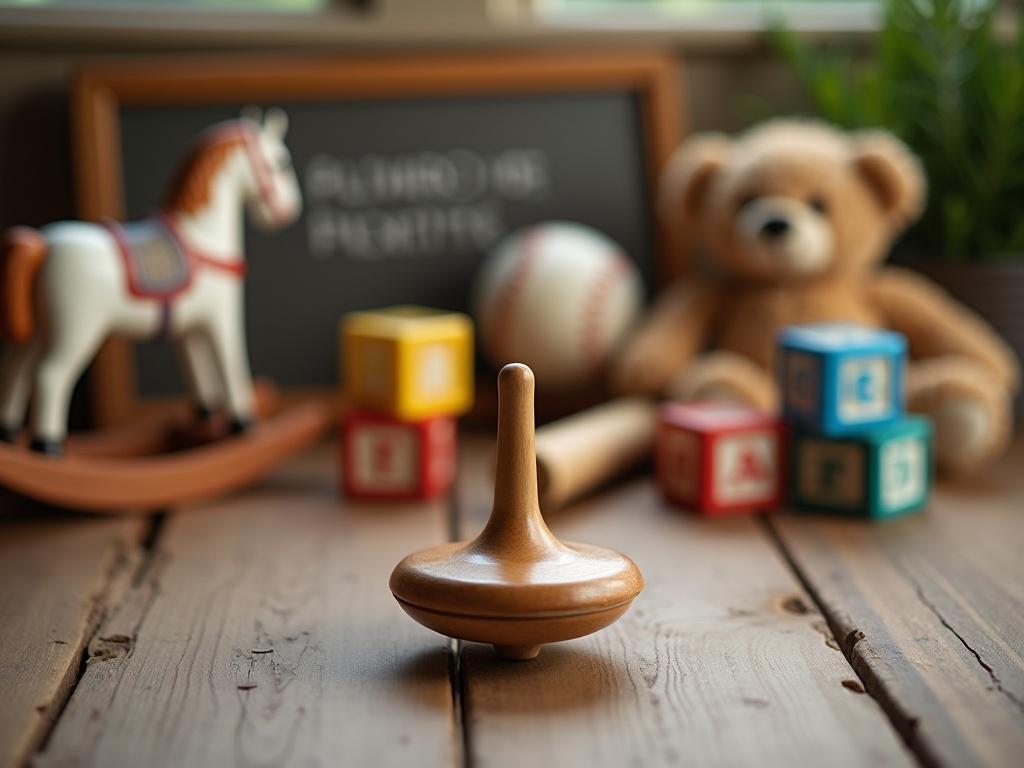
[[819, 204]]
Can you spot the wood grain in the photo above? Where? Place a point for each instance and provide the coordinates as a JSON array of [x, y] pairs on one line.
[[930, 611], [58, 576], [263, 633], [721, 661]]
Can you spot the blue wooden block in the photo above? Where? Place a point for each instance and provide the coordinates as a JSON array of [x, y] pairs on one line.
[[883, 472], [840, 379]]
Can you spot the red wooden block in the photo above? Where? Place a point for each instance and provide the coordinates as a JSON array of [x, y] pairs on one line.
[[387, 458], [719, 458]]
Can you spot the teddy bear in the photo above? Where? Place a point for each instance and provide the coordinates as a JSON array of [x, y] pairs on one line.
[[796, 218]]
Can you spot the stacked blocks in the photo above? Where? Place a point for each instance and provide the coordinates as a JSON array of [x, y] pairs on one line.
[[719, 458], [408, 373], [841, 379], [852, 449]]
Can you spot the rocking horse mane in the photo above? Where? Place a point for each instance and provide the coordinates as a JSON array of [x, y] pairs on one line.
[[192, 183]]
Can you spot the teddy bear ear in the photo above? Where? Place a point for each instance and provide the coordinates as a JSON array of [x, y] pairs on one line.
[[893, 173], [688, 173]]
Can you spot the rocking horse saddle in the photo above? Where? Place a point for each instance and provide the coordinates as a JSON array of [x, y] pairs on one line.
[[157, 264]]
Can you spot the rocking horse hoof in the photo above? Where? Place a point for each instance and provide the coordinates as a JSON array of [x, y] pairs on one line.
[[240, 426], [48, 447]]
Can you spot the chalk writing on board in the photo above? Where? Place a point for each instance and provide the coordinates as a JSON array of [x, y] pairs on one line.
[[426, 203]]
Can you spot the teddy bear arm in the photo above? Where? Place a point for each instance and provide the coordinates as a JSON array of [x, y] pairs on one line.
[[936, 324], [728, 376], [676, 329]]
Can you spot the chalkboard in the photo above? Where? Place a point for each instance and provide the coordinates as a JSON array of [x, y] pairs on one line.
[[405, 189]]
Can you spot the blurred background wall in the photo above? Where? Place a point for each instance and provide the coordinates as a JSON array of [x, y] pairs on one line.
[[729, 76]]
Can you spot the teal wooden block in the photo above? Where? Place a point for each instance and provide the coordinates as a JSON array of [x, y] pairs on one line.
[[883, 472], [840, 379]]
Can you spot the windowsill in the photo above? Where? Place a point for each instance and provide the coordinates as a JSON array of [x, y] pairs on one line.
[[858, 16], [739, 28]]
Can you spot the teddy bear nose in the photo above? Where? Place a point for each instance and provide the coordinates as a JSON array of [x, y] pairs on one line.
[[774, 227]]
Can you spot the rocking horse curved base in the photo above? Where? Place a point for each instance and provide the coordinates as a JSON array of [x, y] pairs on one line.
[[138, 484], [69, 285]]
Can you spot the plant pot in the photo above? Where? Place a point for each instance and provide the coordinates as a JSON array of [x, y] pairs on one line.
[[994, 291]]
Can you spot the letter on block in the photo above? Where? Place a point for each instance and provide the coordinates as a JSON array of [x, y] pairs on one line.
[[840, 379], [719, 458], [408, 361], [883, 472], [384, 458]]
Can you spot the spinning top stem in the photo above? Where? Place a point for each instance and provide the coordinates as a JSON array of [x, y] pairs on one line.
[[516, 529]]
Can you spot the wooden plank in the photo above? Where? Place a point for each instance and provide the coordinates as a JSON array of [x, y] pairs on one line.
[[58, 575], [722, 660], [930, 611], [264, 634]]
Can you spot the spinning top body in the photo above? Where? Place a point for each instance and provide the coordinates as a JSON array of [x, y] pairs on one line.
[[516, 585]]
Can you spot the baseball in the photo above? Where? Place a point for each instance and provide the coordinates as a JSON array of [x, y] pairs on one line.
[[559, 297]]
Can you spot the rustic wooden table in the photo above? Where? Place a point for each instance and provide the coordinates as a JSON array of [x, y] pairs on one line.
[[259, 631]]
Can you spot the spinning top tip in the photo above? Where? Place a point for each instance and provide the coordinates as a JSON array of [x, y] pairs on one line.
[[515, 373]]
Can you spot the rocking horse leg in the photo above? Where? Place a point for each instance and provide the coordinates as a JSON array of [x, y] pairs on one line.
[[15, 387], [61, 365], [200, 365], [233, 362]]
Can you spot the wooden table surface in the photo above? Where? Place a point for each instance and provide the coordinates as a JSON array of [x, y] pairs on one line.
[[259, 631]]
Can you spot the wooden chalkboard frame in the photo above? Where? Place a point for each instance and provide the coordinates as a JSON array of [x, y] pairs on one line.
[[101, 90]]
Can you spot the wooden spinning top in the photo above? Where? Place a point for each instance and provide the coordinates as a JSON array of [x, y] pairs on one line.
[[516, 586]]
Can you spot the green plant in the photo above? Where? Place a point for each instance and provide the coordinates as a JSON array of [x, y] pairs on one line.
[[941, 79]]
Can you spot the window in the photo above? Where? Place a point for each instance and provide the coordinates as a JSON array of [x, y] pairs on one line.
[[671, 7], [258, 5], [727, 13]]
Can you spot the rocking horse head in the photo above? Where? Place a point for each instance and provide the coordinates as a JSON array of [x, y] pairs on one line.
[[239, 161]]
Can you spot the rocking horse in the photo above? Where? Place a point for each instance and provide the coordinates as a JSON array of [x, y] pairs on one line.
[[66, 287]]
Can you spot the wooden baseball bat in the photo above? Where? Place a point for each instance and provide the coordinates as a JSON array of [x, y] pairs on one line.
[[583, 451]]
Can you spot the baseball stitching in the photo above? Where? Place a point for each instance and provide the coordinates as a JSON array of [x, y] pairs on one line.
[[591, 314], [508, 299]]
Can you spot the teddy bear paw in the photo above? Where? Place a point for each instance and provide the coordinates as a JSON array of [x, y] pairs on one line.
[[719, 391], [634, 375], [966, 434], [725, 376]]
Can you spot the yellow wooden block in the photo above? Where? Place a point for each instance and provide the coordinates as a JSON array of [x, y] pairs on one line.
[[408, 361]]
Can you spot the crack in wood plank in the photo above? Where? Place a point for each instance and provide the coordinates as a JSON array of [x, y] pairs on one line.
[[997, 684], [456, 679], [926, 610], [458, 684], [68, 573], [132, 562], [115, 637], [850, 640]]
